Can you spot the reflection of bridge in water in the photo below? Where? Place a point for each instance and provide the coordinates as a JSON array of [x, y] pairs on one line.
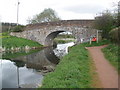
[[41, 60], [29, 70]]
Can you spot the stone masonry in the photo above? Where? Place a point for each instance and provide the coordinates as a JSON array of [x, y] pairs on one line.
[[44, 33]]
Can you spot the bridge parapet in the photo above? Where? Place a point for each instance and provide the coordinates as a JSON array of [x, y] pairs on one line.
[[65, 23]]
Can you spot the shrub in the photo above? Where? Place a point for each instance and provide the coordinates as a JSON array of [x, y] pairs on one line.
[[18, 28], [104, 22], [114, 35]]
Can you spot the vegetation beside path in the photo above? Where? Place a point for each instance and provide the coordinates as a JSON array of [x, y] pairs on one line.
[[112, 54], [73, 71]]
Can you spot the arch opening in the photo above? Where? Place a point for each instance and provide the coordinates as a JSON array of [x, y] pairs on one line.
[[51, 38]]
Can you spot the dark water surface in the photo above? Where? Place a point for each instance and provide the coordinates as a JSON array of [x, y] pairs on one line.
[[28, 71]]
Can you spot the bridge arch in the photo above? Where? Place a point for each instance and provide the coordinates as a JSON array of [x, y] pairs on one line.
[[50, 37], [44, 33]]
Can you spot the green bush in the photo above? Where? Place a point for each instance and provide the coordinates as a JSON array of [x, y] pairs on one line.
[[18, 28], [114, 35], [104, 22]]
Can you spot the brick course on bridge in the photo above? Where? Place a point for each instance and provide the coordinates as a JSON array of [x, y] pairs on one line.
[[44, 33]]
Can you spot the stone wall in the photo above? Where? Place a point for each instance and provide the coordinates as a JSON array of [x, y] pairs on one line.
[[44, 33], [65, 23]]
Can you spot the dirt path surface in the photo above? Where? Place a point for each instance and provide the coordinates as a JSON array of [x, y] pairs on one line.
[[107, 74]]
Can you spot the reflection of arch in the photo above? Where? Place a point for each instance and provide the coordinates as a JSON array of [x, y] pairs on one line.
[[43, 58], [19, 63], [50, 55], [38, 60], [49, 39]]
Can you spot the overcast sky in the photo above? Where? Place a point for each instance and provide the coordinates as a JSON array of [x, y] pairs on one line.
[[66, 9]]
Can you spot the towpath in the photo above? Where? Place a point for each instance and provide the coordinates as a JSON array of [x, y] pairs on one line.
[[107, 74]]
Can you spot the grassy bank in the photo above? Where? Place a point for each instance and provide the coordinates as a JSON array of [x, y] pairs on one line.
[[112, 54], [103, 42], [63, 41], [11, 41], [74, 70]]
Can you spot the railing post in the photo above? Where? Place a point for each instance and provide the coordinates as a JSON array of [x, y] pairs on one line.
[[90, 40], [97, 36]]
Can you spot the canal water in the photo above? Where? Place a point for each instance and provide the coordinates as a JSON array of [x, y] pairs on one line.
[[27, 71]]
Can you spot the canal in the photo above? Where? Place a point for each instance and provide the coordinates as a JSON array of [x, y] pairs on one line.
[[28, 71]]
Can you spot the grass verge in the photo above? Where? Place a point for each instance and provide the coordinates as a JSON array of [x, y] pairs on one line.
[[63, 41], [95, 79], [12, 41], [74, 70], [112, 54], [102, 42]]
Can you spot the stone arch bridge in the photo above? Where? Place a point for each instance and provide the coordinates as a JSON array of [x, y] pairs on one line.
[[44, 33]]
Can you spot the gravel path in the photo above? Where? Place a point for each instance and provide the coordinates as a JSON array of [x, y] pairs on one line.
[[107, 74]]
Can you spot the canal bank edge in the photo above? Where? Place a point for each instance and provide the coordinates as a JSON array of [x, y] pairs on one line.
[[11, 43], [74, 70]]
